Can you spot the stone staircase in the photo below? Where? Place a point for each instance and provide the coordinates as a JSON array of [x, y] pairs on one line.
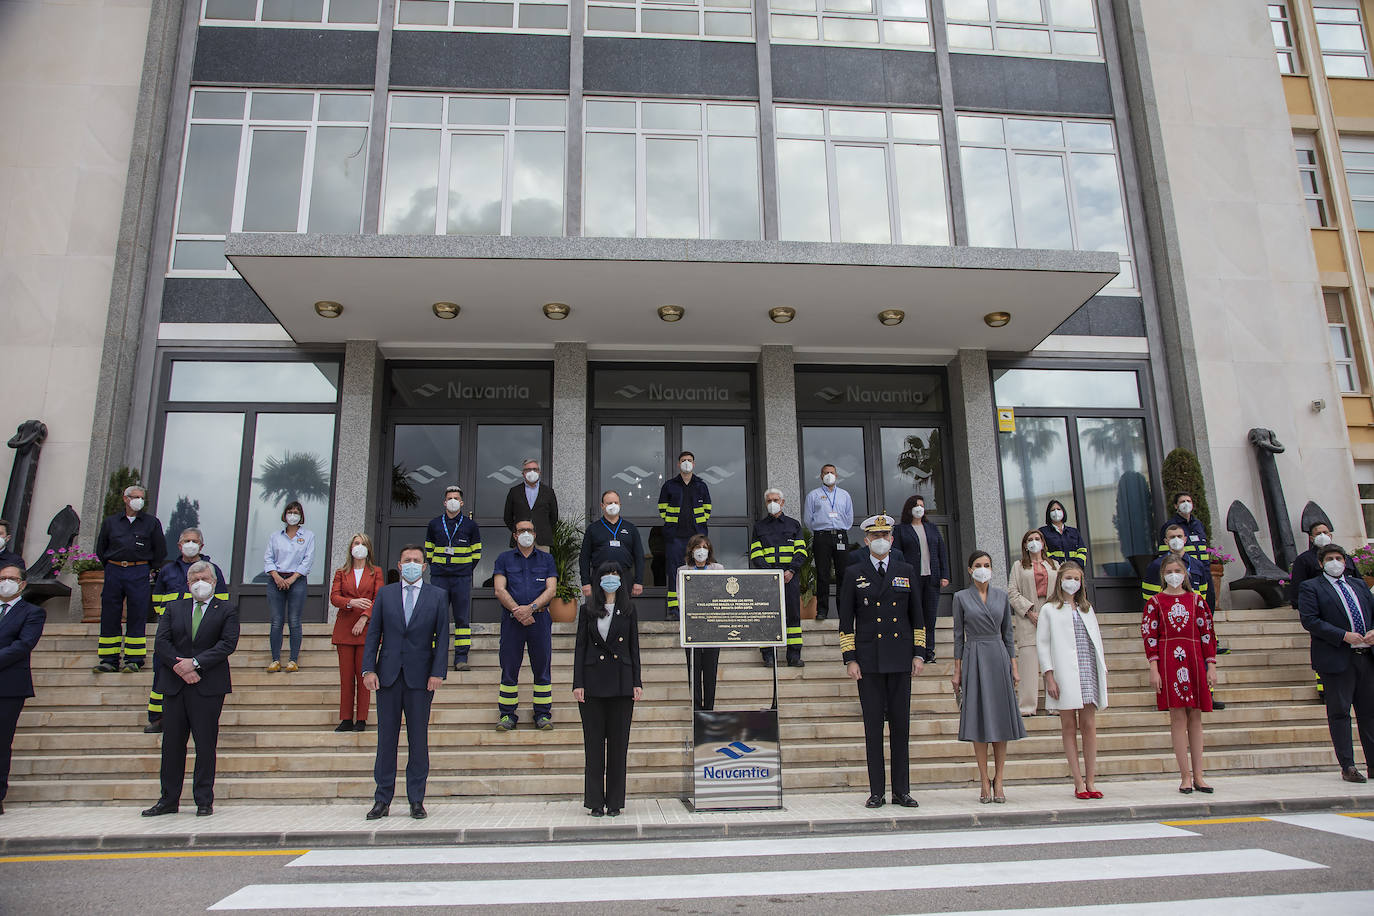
[[80, 740]]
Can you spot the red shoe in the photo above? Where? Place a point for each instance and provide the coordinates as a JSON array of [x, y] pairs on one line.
[[1094, 794], [1083, 795]]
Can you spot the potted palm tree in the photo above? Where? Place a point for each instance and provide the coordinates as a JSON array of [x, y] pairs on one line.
[[566, 549], [807, 579]]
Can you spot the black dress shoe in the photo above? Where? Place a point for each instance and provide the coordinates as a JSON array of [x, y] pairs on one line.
[[1350, 774], [1205, 790], [598, 811], [417, 811], [153, 728], [105, 668], [204, 810], [795, 661], [378, 810], [161, 808], [461, 666], [1217, 705], [360, 725], [906, 801], [874, 801], [613, 812], [822, 615], [345, 726]]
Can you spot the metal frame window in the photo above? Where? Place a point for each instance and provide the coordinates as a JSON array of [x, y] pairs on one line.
[[1364, 487], [290, 14], [475, 165], [1045, 183], [1059, 28], [1357, 155], [1285, 49], [720, 20], [1340, 33], [1319, 215], [861, 175], [267, 161], [891, 23], [1342, 347], [671, 169], [483, 15]]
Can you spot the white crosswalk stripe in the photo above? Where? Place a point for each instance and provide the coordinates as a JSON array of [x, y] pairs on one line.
[[1356, 827], [1333, 903], [394, 894]]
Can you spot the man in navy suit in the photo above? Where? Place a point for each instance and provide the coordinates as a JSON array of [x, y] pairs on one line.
[[1338, 610], [404, 662], [21, 624]]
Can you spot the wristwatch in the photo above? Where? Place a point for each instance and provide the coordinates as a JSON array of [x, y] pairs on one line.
[[195, 663]]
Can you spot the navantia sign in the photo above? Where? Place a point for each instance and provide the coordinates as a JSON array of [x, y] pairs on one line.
[[896, 391]]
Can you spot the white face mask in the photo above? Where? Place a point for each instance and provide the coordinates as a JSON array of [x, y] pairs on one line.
[[8, 589], [686, 466], [700, 554], [918, 511], [137, 503], [531, 477], [1320, 540], [774, 507], [1175, 543], [1334, 568], [358, 551], [453, 505], [1173, 579], [1034, 546], [202, 590], [1056, 515], [1185, 507], [525, 539], [880, 546], [982, 574], [1071, 586], [613, 509], [3, 542], [293, 519], [828, 480], [190, 549]]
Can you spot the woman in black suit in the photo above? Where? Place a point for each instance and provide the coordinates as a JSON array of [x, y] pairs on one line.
[[606, 685], [920, 544]]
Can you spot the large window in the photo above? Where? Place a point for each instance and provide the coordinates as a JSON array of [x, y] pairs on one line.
[[1340, 32], [268, 161], [1065, 28], [483, 15], [861, 175], [1342, 351], [721, 19], [1357, 154], [1284, 48], [474, 165], [896, 23], [291, 13], [671, 170], [1039, 183], [1310, 177]]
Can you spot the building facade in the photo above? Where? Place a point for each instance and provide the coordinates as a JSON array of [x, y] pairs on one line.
[[375, 247]]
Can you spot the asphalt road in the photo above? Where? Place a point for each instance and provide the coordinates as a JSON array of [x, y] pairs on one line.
[[879, 873]]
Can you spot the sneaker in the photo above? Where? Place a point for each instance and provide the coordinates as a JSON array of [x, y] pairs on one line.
[[105, 668], [1223, 650], [544, 723], [274, 667], [131, 668], [292, 666], [461, 666], [506, 724]]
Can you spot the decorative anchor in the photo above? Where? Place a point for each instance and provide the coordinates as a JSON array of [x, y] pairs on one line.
[[27, 443], [1267, 446]]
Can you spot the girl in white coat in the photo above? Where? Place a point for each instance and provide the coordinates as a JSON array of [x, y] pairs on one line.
[[1070, 647]]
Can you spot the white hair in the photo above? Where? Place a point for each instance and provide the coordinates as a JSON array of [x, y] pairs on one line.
[[528, 460], [129, 490], [196, 531], [770, 491], [200, 566]]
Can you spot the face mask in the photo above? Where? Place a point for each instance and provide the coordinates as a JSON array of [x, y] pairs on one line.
[[1320, 540], [190, 549], [531, 477], [982, 574], [918, 511], [453, 505], [358, 551], [700, 554], [774, 507], [610, 584], [525, 539], [1034, 546], [137, 503], [1334, 568], [613, 509], [687, 467], [1056, 515], [1175, 543], [1185, 507], [8, 589], [293, 519], [202, 591], [880, 547], [412, 572], [1071, 586], [828, 480], [3, 542], [1173, 579]]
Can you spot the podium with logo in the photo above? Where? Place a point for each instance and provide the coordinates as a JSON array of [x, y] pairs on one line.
[[736, 757]]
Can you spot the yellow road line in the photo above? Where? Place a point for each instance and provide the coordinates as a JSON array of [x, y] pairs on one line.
[[1358, 813], [1214, 820], [184, 854]]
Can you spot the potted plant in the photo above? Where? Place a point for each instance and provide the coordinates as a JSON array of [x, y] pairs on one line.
[[90, 573], [566, 550], [807, 577], [1363, 558], [1218, 561]]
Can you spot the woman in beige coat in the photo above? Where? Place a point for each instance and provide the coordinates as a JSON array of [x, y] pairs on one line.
[[1028, 588]]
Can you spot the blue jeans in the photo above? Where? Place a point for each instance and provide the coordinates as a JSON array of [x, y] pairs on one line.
[[286, 605]]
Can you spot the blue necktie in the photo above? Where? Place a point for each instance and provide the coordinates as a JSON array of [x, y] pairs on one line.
[[410, 602], [1351, 605]]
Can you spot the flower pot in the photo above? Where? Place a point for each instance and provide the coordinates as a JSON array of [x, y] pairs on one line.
[[1369, 580], [562, 610], [808, 608], [91, 582], [1218, 572]]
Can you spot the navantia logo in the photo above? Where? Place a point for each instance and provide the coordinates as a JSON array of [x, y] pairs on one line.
[[632, 474], [735, 750], [629, 392], [425, 474], [506, 474], [830, 394], [715, 474], [428, 390]]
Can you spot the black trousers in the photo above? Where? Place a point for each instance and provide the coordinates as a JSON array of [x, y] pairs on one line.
[[391, 702], [10, 707], [185, 715], [830, 564], [1353, 685], [703, 665], [930, 607], [887, 698], [606, 742]]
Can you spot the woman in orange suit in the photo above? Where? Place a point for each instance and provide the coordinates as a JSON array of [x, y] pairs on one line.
[[355, 586]]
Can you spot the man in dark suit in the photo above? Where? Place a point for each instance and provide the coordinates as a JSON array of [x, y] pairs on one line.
[[21, 624], [8, 557], [1308, 566], [195, 638], [1338, 610], [404, 662], [532, 501], [883, 641]]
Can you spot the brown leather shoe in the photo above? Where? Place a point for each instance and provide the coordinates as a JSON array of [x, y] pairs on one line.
[[1350, 774]]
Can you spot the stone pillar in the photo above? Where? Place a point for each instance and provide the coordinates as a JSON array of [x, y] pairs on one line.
[[981, 525], [358, 455], [778, 396], [568, 462]]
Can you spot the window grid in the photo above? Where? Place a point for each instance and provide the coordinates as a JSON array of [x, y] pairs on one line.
[[718, 20], [1058, 28], [1313, 187], [250, 127], [890, 144], [645, 135], [290, 14], [1282, 27], [1342, 349], [1341, 35], [1125, 281], [448, 130], [1357, 155], [525, 16], [1366, 491], [889, 23]]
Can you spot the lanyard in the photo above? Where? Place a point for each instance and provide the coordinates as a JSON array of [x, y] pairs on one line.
[[615, 532], [457, 524], [830, 497]]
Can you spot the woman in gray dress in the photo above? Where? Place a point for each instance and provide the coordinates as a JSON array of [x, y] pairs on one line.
[[985, 672]]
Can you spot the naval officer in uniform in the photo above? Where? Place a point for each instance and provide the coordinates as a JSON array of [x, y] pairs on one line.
[[882, 637]]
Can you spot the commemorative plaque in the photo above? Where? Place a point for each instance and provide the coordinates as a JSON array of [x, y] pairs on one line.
[[724, 607]]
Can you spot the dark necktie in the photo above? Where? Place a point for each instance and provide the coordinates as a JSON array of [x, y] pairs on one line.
[[882, 569], [1351, 605], [4, 609]]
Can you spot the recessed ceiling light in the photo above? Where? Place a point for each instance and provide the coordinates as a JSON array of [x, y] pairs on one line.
[[997, 319], [782, 314], [556, 311], [891, 317], [671, 312], [326, 309], [447, 310]]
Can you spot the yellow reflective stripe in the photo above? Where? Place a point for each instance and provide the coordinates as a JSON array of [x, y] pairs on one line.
[[222, 596], [794, 636], [543, 690]]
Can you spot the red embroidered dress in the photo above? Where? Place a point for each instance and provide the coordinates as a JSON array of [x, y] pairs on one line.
[[1177, 630]]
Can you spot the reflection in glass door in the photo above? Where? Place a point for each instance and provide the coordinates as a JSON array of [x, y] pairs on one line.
[[1035, 470], [1116, 490]]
